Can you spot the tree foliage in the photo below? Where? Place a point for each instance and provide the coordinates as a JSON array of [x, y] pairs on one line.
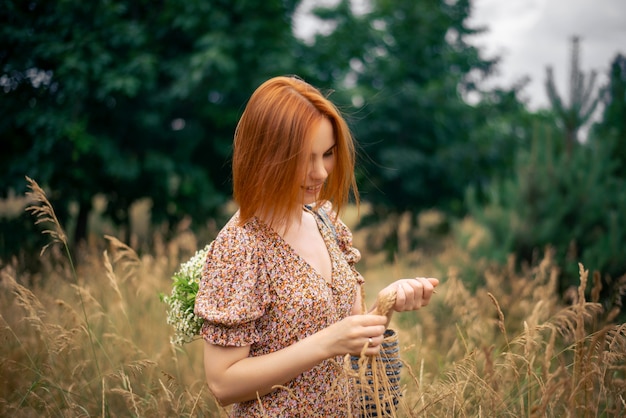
[[132, 99], [571, 199], [410, 69], [612, 127], [137, 99]]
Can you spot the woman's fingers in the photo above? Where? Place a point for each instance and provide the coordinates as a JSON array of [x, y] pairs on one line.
[[413, 294], [368, 333], [360, 332], [371, 345]]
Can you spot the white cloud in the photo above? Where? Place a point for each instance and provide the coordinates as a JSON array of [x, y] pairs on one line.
[[532, 34]]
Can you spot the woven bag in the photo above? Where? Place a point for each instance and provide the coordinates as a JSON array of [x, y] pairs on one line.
[[377, 378]]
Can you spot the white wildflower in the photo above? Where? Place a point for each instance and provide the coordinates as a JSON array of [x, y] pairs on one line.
[[180, 315]]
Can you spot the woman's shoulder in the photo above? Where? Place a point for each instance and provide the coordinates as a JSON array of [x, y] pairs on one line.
[[244, 236]]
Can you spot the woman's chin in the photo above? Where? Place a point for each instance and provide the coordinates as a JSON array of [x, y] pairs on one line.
[[309, 199]]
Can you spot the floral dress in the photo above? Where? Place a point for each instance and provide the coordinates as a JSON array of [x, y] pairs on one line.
[[257, 291]]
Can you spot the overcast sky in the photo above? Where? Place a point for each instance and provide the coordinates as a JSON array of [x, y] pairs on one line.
[[529, 35], [532, 34]]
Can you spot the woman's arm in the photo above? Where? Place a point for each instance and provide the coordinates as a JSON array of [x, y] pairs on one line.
[[232, 376]]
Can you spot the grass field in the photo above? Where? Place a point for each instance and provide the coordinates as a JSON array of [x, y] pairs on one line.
[[91, 339]]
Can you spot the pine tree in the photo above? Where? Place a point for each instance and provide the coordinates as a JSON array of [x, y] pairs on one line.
[[583, 98]]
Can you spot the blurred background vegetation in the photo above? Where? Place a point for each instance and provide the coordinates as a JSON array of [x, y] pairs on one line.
[[124, 112], [115, 106]]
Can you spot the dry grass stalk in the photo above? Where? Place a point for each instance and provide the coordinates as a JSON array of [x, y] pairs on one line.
[[376, 376], [43, 211], [110, 274], [500, 314], [124, 256]]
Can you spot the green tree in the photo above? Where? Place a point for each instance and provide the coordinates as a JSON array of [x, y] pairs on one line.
[[132, 99], [405, 68], [583, 98], [572, 203], [569, 198]]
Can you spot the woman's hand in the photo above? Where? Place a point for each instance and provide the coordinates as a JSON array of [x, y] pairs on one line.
[[411, 294], [355, 334]]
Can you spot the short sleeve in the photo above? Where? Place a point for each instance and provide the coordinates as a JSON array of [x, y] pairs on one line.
[[233, 292], [344, 240]]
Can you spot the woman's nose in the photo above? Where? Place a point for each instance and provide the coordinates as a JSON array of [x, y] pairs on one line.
[[318, 171]]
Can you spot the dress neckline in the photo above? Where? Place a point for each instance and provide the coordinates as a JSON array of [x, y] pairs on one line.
[[294, 253]]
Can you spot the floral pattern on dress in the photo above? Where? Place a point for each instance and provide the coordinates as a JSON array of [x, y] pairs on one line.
[[256, 290]]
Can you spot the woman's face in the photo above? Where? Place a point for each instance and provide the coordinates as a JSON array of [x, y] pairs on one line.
[[321, 161]]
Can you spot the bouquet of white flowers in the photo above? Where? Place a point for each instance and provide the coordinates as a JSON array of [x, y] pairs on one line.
[[186, 282]]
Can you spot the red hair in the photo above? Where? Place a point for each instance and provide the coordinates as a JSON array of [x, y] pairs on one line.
[[271, 149]]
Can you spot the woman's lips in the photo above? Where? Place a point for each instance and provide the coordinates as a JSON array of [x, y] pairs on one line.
[[313, 189]]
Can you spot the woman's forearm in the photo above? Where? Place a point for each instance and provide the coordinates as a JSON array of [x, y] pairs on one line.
[[235, 379], [233, 376]]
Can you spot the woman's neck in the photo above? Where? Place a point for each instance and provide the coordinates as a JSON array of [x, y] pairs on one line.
[[285, 226]]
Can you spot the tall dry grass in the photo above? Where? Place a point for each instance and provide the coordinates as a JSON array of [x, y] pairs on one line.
[[511, 349], [91, 339]]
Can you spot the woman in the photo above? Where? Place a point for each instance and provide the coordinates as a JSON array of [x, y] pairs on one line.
[[279, 295]]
